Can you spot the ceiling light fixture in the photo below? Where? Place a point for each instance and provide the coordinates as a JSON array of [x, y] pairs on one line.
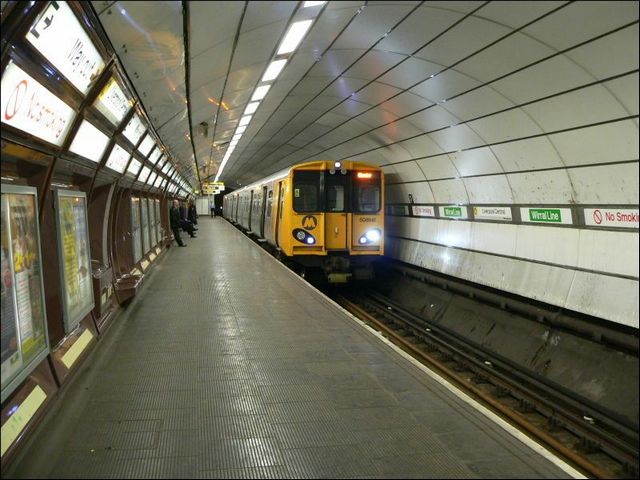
[[245, 120], [294, 36], [260, 92], [274, 70], [251, 108]]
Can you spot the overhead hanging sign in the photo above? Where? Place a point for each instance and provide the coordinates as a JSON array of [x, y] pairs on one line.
[[60, 38], [28, 106], [611, 217]]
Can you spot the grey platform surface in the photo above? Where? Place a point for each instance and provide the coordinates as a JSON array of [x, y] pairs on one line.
[[227, 366]]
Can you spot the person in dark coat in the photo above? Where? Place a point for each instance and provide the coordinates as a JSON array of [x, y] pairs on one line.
[[192, 213], [175, 220], [185, 223]]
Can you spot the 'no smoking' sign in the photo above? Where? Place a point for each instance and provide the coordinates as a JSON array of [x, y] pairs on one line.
[[597, 216]]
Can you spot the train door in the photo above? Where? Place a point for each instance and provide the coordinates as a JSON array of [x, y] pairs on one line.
[[335, 218], [263, 209], [280, 208], [250, 211], [268, 215], [236, 204]]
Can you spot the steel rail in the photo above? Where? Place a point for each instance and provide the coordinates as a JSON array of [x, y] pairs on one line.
[[476, 391]]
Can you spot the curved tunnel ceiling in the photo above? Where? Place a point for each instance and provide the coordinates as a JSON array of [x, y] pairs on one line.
[[430, 90], [520, 105]]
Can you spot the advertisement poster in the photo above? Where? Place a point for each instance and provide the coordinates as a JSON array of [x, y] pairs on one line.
[[152, 223], [23, 314], [145, 225], [157, 208], [75, 259], [135, 229]]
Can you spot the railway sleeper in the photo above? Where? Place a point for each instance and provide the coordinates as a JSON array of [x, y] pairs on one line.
[[588, 445]]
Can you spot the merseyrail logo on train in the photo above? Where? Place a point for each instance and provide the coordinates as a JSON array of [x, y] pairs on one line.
[[309, 222]]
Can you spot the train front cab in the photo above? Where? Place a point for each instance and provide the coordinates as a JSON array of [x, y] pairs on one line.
[[335, 218]]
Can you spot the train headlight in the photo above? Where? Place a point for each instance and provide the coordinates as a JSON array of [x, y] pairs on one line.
[[370, 236], [304, 236]]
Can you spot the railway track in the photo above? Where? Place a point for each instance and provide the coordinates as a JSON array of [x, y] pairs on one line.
[[593, 441]]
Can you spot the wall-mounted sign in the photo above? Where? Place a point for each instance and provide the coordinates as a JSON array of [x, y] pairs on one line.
[[28, 106], [89, 142], [118, 159], [134, 167], [546, 215], [144, 174], [611, 217], [112, 102], [492, 213], [24, 323], [73, 248], [146, 145], [134, 129], [60, 38], [453, 211], [155, 155], [423, 211]]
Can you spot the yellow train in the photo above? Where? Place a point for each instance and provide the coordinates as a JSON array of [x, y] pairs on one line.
[[322, 214]]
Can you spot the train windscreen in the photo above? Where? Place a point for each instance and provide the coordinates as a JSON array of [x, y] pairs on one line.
[[366, 192]]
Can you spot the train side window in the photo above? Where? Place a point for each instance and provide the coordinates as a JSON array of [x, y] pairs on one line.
[[306, 191], [269, 203]]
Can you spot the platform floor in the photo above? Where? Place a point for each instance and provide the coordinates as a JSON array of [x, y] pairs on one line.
[[228, 366]]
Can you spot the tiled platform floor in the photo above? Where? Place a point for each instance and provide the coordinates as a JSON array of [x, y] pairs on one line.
[[228, 366]]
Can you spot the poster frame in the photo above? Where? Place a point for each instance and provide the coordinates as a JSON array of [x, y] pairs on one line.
[[29, 367], [71, 324]]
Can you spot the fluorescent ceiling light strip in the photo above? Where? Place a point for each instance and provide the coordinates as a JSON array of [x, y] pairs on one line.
[[311, 4], [244, 120], [260, 92], [252, 107], [236, 137], [241, 129], [274, 70], [294, 36]]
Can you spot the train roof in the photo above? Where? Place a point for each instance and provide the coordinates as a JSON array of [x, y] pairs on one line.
[[316, 164]]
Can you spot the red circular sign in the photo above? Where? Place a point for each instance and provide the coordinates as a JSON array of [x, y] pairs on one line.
[[15, 100], [597, 216]]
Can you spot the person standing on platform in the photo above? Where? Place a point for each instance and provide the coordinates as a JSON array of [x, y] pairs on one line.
[[192, 213], [174, 218], [212, 207]]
